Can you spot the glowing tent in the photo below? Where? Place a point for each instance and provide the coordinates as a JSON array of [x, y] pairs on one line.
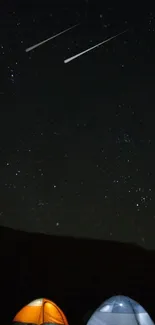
[[120, 310], [40, 311]]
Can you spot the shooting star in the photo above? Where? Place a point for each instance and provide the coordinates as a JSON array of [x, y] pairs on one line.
[[93, 47], [48, 39]]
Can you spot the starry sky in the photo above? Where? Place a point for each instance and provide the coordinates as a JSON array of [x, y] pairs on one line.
[[77, 140]]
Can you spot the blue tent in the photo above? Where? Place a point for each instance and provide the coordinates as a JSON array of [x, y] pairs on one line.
[[120, 310]]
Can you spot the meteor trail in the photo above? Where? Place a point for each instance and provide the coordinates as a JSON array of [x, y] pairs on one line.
[[91, 48], [48, 39]]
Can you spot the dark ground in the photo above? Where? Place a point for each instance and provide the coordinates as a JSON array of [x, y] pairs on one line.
[[77, 274]]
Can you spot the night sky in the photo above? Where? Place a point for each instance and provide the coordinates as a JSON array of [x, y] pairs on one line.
[[77, 140]]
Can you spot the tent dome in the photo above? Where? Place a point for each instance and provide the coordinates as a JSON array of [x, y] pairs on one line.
[[40, 311], [120, 310]]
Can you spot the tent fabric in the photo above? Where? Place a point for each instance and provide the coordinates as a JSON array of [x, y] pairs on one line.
[[120, 310], [41, 311], [123, 305]]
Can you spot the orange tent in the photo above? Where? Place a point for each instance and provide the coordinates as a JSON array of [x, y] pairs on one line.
[[41, 311]]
